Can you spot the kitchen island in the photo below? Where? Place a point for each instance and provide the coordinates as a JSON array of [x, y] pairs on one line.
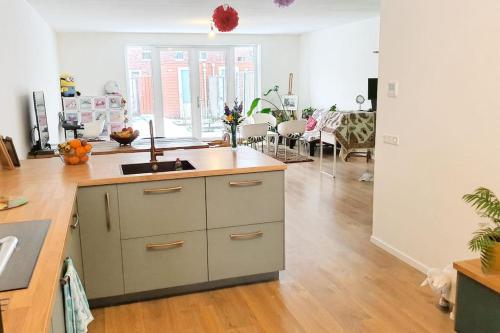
[[129, 210]]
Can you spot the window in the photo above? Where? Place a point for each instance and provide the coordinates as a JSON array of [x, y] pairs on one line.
[[179, 56], [146, 55], [185, 91]]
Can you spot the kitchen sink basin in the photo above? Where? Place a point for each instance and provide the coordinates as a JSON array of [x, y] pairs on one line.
[[166, 166]]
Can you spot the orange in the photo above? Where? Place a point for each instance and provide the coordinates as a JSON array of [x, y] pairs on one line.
[[88, 147], [75, 143], [74, 160], [80, 151], [84, 158]]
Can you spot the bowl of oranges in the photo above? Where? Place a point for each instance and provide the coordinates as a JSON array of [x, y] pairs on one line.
[[74, 152]]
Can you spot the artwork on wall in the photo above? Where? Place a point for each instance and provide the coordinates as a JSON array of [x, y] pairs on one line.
[[291, 102], [87, 109], [99, 103]]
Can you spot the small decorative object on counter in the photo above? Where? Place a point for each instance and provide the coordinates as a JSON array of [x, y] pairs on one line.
[[125, 137], [178, 165], [6, 203], [75, 151], [486, 240], [233, 118]]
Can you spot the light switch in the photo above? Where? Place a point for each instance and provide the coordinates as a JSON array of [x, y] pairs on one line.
[[392, 89], [391, 140]]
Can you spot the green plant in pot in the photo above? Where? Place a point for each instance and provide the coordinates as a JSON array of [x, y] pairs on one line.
[[486, 240], [280, 111], [308, 112]]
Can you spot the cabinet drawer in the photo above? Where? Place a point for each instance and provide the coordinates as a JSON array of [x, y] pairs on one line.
[[165, 261], [164, 207], [246, 250], [245, 199]]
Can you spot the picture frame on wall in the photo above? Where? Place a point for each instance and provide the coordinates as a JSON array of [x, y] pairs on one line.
[[70, 104], [115, 102], [291, 102], [99, 103], [85, 103]]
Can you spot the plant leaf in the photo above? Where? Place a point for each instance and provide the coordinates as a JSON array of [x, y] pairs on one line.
[[266, 110], [254, 104]]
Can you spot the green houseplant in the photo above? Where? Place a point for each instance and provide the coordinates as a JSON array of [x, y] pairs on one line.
[[280, 111], [486, 240]]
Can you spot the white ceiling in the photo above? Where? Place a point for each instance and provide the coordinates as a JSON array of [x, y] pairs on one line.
[[193, 16]]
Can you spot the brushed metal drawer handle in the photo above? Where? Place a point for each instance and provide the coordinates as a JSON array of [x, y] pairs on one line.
[[165, 246], [76, 221], [250, 235], [163, 190], [108, 209], [246, 183]]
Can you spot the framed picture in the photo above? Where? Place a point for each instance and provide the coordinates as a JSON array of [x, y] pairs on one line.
[[115, 102], [71, 117], [86, 117], [11, 149], [100, 103], [85, 103], [291, 102], [115, 117], [69, 104], [5, 160], [100, 115]]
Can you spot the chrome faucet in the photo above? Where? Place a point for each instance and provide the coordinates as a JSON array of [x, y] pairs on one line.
[[153, 152]]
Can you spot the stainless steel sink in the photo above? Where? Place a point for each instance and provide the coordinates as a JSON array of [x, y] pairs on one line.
[[166, 166]]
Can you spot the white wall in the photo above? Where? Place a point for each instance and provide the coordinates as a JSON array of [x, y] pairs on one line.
[[28, 62], [337, 62], [447, 116], [94, 58]]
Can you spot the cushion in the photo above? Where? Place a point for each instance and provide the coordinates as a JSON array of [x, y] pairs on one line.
[[311, 124]]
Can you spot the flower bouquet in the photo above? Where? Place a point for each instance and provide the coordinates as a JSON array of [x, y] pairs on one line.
[[233, 118]]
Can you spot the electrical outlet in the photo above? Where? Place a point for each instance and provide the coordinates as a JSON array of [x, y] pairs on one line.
[[391, 140]]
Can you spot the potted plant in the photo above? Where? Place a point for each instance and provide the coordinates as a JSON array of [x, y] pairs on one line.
[[486, 240], [308, 112], [280, 112]]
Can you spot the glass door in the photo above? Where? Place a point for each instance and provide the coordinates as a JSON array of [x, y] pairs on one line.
[[211, 91], [176, 110]]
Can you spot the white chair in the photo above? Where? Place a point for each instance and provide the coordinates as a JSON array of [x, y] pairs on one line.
[[292, 130], [253, 134], [265, 118]]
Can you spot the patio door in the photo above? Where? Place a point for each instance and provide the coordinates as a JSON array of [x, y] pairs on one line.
[[191, 89]]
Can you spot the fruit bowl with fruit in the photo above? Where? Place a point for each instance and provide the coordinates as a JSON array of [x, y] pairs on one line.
[[74, 152], [125, 137]]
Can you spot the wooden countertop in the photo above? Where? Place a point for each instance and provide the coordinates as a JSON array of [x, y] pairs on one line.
[[51, 188], [472, 269]]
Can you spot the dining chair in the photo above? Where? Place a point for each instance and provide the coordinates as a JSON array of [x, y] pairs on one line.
[[270, 120], [253, 134], [292, 130]]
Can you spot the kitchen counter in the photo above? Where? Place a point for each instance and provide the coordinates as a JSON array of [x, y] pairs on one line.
[[472, 269], [51, 189]]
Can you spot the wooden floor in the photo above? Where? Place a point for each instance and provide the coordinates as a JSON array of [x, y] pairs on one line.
[[335, 279]]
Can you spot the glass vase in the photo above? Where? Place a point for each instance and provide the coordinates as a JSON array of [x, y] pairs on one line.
[[234, 140]]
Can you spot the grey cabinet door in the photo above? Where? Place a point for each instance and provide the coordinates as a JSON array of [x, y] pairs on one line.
[[100, 239], [73, 245], [245, 199], [57, 320], [247, 250], [165, 261], [163, 207]]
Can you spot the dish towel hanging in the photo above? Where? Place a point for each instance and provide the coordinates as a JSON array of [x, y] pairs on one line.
[[76, 307]]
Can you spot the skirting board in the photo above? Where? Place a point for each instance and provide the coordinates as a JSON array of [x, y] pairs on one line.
[[400, 255]]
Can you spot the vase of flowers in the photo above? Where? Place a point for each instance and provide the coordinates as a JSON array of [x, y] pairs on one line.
[[233, 118]]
